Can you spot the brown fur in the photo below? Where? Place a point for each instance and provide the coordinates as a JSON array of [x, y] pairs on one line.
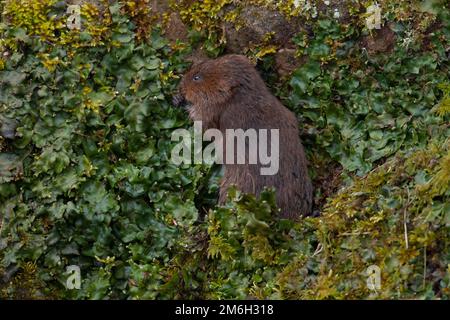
[[230, 94]]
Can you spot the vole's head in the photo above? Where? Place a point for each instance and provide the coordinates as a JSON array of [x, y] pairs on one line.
[[212, 83]]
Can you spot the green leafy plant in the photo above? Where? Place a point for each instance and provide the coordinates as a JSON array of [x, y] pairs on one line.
[[367, 107], [87, 180]]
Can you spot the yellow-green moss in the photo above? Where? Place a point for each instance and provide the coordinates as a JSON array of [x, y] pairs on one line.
[[443, 108], [33, 15]]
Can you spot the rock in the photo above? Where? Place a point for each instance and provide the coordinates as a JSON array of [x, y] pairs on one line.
[[381, 40], [255, 23], [7, 128], [159, 6]]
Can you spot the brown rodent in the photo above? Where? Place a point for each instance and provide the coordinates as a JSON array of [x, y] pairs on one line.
[[229, 93]]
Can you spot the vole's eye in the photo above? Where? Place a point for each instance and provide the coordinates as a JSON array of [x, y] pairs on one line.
[[196, 77]]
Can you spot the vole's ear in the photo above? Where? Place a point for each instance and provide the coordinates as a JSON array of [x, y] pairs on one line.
[[224, 89]]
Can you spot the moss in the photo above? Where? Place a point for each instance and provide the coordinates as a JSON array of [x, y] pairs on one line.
[[443, 108], [34, 16], [25, 285], [389, 220], [43, 18], [140, 13]]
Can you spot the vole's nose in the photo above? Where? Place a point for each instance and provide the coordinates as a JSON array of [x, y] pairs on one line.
[[179, 100]]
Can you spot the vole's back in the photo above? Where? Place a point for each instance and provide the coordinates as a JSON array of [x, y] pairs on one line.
[[291, 182]]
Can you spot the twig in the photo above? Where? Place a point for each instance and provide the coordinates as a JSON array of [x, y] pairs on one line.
[[405, 227], [318, 250], [345, 234], [424, 265]]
